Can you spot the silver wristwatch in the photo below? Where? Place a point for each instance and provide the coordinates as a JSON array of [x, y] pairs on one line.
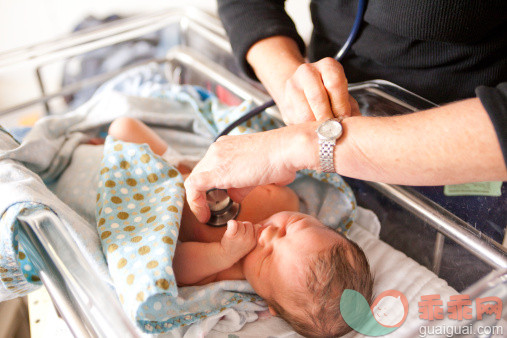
[[329, 131]]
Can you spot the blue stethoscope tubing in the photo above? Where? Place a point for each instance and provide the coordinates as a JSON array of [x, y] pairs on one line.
[[361, 7]]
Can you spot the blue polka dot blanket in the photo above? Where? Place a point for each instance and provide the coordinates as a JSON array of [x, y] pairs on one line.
[[139, 207], [140, 202]]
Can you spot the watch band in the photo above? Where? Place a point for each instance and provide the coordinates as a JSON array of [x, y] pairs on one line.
[[326, 155]]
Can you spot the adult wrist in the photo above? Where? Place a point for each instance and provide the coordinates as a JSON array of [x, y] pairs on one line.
[[302, 144], [302, 147]]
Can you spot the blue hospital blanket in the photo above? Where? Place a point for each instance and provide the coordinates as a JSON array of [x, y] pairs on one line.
[[140, 202]]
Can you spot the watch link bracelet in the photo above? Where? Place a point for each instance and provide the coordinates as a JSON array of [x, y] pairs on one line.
[[328, 132]]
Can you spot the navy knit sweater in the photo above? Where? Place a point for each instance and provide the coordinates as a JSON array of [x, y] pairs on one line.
[[440, 49]]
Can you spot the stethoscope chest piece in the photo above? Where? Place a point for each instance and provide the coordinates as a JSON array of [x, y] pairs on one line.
[[221, 206]]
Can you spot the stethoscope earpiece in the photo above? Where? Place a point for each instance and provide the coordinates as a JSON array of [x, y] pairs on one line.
[[221, 206]]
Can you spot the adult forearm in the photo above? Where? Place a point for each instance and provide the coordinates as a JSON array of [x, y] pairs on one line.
[[249, 21], [452, 144], [274, 60], [447, 145]]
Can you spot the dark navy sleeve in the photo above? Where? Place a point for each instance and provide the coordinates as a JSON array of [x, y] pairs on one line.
[[494, 100], [248, 21]]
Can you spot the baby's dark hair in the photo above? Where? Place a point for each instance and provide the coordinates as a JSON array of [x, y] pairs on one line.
[[344, 266]]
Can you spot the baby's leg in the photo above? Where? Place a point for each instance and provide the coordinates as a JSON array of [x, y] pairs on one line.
[[129, 129]]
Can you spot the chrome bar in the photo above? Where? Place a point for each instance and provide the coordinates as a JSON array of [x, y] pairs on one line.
[[42, 89], [396, 93], [83, 298], [236, 85], [437, 253], [107, 35], [74, 87], [446, 223], [64, 307]]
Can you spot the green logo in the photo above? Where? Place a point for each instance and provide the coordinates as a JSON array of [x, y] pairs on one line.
[[390, 310]]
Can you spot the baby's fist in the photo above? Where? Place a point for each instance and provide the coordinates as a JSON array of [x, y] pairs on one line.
[[239, 238]]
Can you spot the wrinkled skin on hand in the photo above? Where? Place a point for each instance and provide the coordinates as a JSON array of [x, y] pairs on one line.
[[316, 92], [240, 163]]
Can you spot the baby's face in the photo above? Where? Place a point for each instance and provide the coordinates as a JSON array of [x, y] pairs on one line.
[[278, 265]]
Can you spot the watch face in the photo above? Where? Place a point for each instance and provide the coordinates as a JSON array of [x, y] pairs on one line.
[[330, 129]]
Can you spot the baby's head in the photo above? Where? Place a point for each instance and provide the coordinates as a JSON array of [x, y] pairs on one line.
[[301, 268]]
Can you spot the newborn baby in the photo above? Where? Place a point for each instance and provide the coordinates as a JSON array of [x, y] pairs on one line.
[[296, 264]]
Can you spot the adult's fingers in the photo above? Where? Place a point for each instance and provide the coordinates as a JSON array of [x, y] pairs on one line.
[[196, 197], [314, 90], [296, 108], [336, 86], [354, 107], [241, 162]]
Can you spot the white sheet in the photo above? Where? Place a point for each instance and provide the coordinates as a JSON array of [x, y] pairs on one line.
[[392, 269]]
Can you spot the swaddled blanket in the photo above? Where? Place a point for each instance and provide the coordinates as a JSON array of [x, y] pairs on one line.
[[139, 207], [187, 118], [140, 202]]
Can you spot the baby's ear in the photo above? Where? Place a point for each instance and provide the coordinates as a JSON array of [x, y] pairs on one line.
[[272, 311]]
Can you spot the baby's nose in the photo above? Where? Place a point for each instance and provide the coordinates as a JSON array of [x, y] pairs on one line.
[[265, 234]]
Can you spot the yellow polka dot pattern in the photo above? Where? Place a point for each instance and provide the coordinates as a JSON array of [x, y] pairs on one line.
[[139, 206], [165, 311], [18, 276]]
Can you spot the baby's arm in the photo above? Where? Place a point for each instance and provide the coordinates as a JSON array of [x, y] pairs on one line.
[[195, 262]]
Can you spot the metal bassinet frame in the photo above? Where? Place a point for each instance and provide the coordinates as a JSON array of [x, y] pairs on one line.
[[203, 57]]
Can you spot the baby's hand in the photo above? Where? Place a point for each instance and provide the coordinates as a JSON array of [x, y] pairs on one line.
[[239, 238]]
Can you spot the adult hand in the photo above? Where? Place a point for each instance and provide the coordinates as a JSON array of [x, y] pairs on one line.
[[315, 92], [303, 91], [240, 163]]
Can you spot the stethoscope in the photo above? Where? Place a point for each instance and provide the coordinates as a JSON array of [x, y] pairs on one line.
[[222, 207]]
